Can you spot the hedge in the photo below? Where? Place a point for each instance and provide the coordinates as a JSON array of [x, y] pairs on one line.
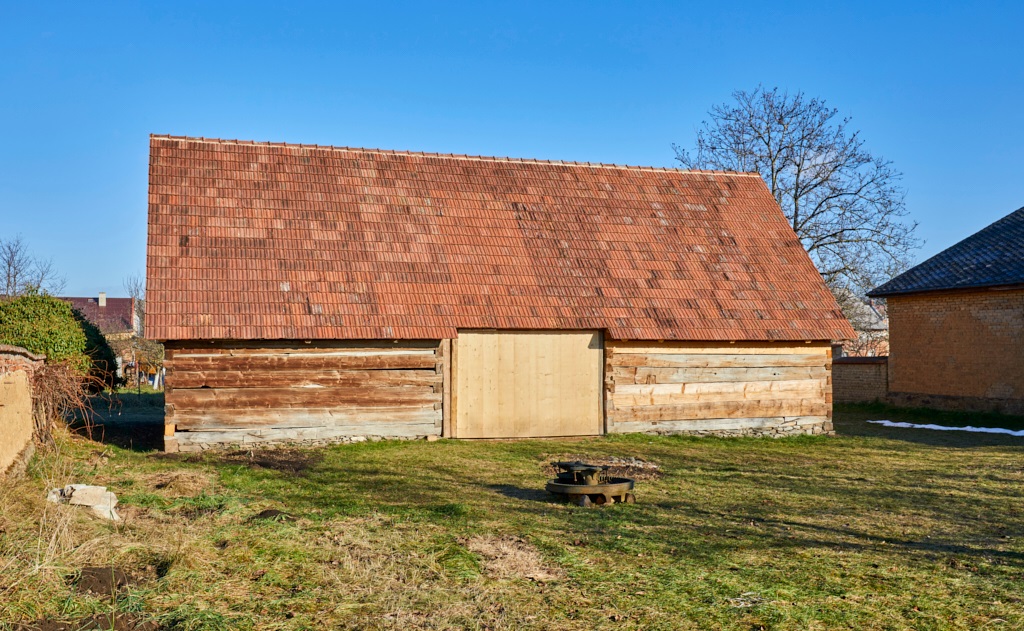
[[45, 324]]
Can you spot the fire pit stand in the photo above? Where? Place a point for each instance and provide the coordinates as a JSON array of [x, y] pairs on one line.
[[586, 484]]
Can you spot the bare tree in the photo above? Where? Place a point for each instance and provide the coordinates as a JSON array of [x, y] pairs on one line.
[[21, 272], [135, 287], [845, 205]]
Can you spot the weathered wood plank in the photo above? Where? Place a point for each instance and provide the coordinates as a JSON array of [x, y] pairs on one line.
[[255, 398], [717, 361], [215, 378], [670, 394], [196, 440], [446, 389], [737, 387], [739, 348], [305, 362], [721, 409], [364, 420], [631, 400], [454, 391], [646, 375], [298, 352], [715, 424]]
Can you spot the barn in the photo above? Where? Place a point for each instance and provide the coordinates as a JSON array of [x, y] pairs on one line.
[[310, 293]]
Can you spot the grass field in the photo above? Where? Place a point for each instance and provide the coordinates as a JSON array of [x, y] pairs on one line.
[[873, 529]]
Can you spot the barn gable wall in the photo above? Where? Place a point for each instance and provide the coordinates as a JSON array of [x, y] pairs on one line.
[[718, 389], [227, 393]]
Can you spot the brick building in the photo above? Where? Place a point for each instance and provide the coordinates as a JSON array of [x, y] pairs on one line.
[[956, 324]]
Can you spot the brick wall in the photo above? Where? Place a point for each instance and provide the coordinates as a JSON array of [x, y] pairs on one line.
[[17, 366], [964, 345], [860, 379]]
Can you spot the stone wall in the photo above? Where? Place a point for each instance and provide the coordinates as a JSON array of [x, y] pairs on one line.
[[860, 379], [17, 366], [958, 350]]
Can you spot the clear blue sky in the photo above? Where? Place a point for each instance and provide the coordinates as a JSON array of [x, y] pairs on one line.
[[938, 88]]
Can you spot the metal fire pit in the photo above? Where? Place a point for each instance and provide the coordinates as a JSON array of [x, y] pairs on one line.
[[586, 484]]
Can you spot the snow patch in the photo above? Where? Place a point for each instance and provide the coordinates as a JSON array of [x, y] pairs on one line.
[[946, 428]]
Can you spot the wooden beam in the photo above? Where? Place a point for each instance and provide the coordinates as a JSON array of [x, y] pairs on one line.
[[815, 406], [321, 361], [622, 375], [446, 388], [375, 421], [368, 396], [677, 360], [453, 425], [239, 378]]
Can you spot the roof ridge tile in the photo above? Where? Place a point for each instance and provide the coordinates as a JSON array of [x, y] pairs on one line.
[[457, 156]]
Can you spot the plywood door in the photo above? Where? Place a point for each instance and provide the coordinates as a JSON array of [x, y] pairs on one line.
[[512, 384]]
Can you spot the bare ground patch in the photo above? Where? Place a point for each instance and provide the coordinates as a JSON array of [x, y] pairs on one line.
[[512, 557], [101, 581], [282, 459], [628, 467]]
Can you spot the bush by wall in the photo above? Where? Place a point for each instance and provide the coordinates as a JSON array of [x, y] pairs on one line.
[[49, 326], [43, 324]]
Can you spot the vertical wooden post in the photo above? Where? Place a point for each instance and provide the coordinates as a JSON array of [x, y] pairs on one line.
[[453, 418], [608, 388], [446, 389], [828, 381]]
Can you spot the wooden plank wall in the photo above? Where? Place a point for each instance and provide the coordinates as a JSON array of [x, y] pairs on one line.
[[237, 392], [730, 388], [522, 384]]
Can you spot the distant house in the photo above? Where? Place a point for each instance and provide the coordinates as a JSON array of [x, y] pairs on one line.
[[956, 324], [870, 320], [116, 318], [330, 293]]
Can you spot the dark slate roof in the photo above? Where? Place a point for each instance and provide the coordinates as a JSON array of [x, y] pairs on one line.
[[990, 258]]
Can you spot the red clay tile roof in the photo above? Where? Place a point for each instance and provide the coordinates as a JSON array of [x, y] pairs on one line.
[[273, 241], [117, 317]]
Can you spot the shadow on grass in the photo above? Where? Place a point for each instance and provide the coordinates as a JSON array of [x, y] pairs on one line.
[[129, 421], [522, 493], [718, 501], [849, 538], [851, 420]]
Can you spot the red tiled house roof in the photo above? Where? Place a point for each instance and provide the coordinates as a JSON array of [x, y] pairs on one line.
[[273, 241], [118, 316]]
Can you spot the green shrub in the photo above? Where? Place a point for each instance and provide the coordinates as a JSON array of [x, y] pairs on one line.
[[47, 325], [44, 324]]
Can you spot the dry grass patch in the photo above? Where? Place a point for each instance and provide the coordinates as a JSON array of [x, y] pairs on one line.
[[180, 483], [868, 532], [510, 557]]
